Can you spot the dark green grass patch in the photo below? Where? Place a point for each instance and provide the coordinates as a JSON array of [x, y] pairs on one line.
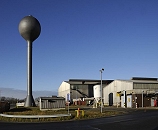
[[89, 113]]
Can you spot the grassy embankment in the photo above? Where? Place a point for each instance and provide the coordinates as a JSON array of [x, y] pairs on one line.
[[89, 113]]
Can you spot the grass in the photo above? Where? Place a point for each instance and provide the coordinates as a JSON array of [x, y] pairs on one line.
[[89, 114]]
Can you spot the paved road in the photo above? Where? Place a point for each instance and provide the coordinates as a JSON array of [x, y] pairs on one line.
[[139, 120]]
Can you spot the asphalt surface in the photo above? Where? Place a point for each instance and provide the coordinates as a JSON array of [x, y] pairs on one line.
[[137, 120]]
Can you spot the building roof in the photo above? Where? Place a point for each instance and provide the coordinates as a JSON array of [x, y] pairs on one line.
[[87, 81], [144, 78], [95, 82], [141, 81], [53, 98]]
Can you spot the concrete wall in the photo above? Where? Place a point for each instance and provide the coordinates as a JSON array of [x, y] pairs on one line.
[[111, 92], [63, 90]]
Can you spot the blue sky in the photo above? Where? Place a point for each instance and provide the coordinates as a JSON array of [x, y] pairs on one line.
[[78, 38]]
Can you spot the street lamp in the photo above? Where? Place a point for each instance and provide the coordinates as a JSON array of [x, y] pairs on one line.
[[142, 98], [0, 95], [101, 93]]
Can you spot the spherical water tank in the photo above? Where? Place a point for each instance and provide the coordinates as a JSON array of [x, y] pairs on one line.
[[29, 28], [96, 90]]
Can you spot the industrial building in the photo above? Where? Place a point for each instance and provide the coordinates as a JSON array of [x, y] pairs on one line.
[[80, 89], [133, 93]]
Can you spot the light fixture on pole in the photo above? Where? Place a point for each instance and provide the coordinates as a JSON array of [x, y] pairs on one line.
[[101, 91], [142, 98], [0, 95]]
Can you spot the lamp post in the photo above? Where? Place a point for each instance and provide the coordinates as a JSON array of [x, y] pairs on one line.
[[0, 95], [101, 91], [142, 99], [76, 93]]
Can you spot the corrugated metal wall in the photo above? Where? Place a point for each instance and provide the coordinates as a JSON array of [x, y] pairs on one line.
[[145, 86], [52, 103]]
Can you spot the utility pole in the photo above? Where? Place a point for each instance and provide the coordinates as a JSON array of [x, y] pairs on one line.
[[142, 99], [101, 91], [0, 95]]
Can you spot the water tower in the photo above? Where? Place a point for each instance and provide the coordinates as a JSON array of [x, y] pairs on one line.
[[29, 29]]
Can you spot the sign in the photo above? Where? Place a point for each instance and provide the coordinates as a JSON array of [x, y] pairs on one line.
[[68, 97]]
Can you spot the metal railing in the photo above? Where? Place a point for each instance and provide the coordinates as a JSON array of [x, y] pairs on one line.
[[35, 116]]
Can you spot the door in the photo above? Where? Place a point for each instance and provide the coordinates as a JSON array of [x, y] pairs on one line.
[[110, 99], [129, 101], [122, 101]]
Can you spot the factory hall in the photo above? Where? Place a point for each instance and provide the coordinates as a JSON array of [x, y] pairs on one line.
[[133, 93]]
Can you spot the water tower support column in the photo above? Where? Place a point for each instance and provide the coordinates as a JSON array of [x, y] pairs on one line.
[[29, 99]]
